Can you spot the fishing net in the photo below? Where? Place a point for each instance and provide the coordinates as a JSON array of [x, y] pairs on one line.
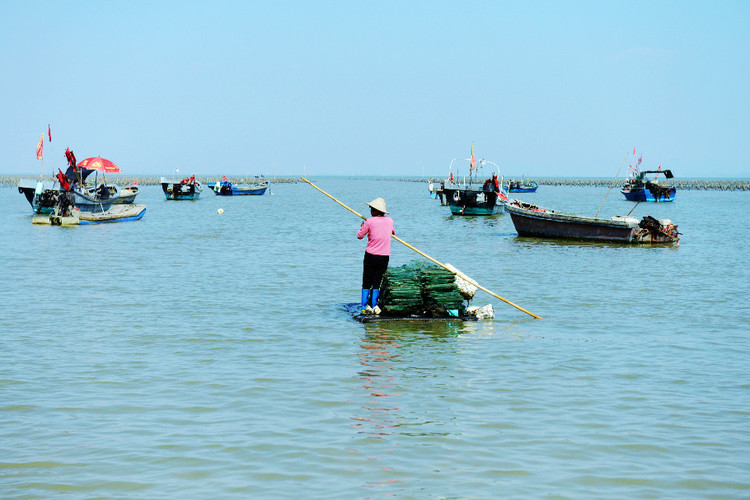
[[420, 288]]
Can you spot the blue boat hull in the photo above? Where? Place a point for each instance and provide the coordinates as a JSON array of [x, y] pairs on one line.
[[523, 190], [227, 189], [127, 218], [642, 194]]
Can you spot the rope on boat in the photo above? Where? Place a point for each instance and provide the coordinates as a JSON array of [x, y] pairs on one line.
[[610, 188], [459, 273]]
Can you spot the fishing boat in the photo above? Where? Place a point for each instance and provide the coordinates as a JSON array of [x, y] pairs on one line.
[[531, 220], [75, 217], [638, 188], [435, 188], [185, 189], [522, 186], [226, 188], [41, 195], [476, 195]]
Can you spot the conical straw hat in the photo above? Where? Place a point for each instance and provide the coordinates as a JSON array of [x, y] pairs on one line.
[[378, 204]]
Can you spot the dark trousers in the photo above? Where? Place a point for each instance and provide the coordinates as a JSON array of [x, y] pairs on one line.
[[373, 268]]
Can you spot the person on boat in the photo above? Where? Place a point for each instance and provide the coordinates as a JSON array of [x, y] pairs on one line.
[[491, 184], [378, 229], [102, 192]]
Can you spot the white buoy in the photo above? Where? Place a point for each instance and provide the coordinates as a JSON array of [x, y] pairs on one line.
[[220, 211]]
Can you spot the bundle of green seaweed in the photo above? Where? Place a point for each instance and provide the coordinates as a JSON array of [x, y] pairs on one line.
[[421, 289]]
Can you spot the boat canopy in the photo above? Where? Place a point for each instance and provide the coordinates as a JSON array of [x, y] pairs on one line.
[[70, 173], [667, 173]]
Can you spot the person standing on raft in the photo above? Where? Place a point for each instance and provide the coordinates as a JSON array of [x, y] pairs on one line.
[[378, 229]]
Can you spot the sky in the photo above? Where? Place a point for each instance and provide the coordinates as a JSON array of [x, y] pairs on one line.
[[386, 88]]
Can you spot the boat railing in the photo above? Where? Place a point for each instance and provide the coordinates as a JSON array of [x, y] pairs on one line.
[[474, 178]]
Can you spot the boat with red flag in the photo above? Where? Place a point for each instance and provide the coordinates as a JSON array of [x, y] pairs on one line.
[[639, 188], [90, 196], [479, 194], [186, 189], [227, 188]]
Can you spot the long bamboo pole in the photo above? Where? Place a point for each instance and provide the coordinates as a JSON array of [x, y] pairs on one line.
[[462, 275], [610, 188]]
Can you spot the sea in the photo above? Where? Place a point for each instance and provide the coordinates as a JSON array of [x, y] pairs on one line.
[[206, 353]]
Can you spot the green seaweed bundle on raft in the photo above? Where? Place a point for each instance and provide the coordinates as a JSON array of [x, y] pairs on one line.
[[422, 289]]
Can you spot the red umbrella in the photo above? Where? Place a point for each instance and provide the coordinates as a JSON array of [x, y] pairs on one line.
[[100, 164]]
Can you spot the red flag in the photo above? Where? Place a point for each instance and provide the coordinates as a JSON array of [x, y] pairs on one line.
[[49, 133], [640, 158], [473, 163], [39, 147], [657, 173], [634, 150], [225, 178], [136, 182], [63, 180]]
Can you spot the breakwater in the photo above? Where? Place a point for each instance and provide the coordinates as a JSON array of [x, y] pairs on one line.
[[125, 180], [684, 184], [701, 184], [719, 185]]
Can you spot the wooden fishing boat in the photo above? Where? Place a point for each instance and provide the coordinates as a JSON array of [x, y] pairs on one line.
[[476, 195], [185, 189], [531, 220], [117, 213], [638, 188], [226, 188], [522, 186], [41, 195]]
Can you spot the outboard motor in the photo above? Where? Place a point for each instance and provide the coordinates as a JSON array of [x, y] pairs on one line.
[[65, 203]]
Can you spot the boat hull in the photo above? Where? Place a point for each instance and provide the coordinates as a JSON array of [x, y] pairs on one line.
[[473, 202], [177, 190], [84, 200], [541, 223], [644, 194], [227, 189], [118, 213], [522, 186]]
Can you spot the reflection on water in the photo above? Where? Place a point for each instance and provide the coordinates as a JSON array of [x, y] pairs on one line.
[[380, 350], [383, 347]]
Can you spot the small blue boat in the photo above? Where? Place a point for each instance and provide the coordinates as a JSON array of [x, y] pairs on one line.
[[226, 188], [522, 186], [639, 188], [63, 216]]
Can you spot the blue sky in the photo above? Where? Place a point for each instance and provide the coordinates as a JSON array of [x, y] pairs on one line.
[[378, 88]]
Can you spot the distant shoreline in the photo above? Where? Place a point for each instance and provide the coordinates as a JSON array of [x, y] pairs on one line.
[[706, 184]]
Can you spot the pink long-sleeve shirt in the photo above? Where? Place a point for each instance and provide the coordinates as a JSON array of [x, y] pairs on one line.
[[378, 230]]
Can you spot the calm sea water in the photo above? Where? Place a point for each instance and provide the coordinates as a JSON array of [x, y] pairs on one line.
[[199, 355]]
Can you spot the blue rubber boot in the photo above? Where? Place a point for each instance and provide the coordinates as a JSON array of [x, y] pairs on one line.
[[375, 308], [365, 296]]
